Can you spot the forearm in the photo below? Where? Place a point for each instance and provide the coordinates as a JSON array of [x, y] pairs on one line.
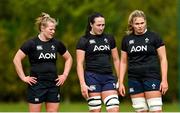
[[68, 65], [164, 69], [80, 72], [123, 68], [117, 67], [19, 69]]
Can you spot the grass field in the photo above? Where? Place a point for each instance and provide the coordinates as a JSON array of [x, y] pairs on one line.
[[78, 107]]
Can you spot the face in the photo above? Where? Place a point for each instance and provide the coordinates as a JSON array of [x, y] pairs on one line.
[[139, 25], [49, 30], [98, 26]]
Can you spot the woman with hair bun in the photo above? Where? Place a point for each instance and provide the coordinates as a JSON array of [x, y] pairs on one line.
[[43, 81]]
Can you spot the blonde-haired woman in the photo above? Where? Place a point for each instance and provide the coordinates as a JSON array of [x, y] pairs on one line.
[[43, 81], [144, 53]]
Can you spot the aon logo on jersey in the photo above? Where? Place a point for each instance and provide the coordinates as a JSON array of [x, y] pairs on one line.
[[47, 56], [138, 48], [101, 48]]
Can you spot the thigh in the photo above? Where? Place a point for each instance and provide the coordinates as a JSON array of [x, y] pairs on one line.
[[139, 102], [152, 94], [35, 107], [135, 87], [36, 93], [52, 107], [94, 102], [93, 82], [111, 100], [108, 93], [53, 94], [108, 83], [151, 85], [154, 101]]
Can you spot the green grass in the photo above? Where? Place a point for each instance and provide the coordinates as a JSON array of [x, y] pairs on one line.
[[78, 107]]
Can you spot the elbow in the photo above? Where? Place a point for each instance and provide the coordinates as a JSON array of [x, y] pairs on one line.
[[14, 60]]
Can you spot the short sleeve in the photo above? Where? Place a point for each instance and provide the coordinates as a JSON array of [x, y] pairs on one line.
[[61, 48], [82, 43], [27, 47], [158, 42], [124, 44], [112, 42]]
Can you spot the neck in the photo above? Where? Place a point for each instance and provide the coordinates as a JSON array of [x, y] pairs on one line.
[[42, 37], [92, 33]]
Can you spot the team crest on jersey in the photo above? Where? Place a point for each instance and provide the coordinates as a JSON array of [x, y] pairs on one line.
[[92, 41], [105, 40], [147, 40], [53, 47], [131, 89], [153, 86], [131, 42], [39, 47]]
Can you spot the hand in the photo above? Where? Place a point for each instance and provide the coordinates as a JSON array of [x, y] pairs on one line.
[[122, 90], [163, 87], [84, 91], [61, 79], [30, 80]]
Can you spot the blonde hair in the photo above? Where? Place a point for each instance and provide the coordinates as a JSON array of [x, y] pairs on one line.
[[43, 19], [135, 13]]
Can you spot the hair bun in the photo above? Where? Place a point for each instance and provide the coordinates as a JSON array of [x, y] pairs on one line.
[[45, 15]]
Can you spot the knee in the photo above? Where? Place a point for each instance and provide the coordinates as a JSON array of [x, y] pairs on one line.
[[94, 103], [111, 101], [139, 104], [155, 104]]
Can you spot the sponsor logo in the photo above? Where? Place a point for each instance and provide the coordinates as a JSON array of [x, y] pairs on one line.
[[47, 56], [101, 48], [131, 42], [92, 41], [36, 99], [39, 47], [138, 48], [131, 89], [92, 87]]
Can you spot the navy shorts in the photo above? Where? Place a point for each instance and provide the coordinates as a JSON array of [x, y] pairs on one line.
[[44, 91], [139, 86], [100, 82]]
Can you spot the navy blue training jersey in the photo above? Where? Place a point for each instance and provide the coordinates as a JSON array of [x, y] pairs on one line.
[[43, 55], [97, 52], [142, 54]]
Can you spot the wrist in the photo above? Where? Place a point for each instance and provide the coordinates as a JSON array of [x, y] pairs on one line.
[[82, 85], [65, 74]]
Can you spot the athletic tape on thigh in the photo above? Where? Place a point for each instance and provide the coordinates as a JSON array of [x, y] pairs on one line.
[[155, 104], [139, 104], [94, 102], [111, 101]]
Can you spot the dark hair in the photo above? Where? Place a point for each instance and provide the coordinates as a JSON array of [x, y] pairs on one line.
[[91, 21]]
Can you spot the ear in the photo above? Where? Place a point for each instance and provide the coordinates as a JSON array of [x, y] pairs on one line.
[[42, 28], [91, 24]]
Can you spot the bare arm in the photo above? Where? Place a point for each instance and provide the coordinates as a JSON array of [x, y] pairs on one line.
[[116, 62], [19, 69], [80, 56], [67, 67], [164, 68], [123, 68]]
